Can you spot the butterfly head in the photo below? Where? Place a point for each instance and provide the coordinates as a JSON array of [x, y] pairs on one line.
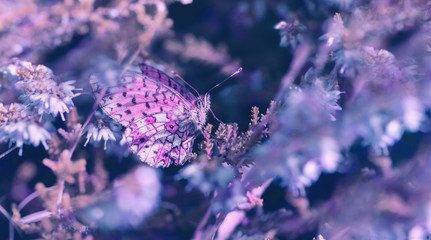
[[200, 115]]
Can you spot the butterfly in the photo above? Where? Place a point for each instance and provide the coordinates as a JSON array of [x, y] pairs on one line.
[[161, 117]]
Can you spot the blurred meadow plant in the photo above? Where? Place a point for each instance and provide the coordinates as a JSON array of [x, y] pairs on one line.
[[340, 150]]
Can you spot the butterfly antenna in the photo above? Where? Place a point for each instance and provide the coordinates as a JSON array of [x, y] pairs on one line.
[[216, 118], [233, 74], [188, 84]]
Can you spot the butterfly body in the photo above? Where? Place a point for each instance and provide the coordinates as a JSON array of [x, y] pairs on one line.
[[161, 117]]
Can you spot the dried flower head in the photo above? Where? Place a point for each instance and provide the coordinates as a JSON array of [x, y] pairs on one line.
[[41, 92], [19, 128]]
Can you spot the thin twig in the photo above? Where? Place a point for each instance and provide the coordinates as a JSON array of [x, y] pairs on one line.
[[11, 232], [75, 144], [198, 233], [93, 110], [6, 214], [258, 191], [60, 192], [96, 103], [341, 234], [134, 56], [8, 151], [78, 137], [30, 198], [221, 217], [36, 217], [299, 58]]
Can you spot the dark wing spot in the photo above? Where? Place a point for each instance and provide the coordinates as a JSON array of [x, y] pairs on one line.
[[128, 112], [164, 97]]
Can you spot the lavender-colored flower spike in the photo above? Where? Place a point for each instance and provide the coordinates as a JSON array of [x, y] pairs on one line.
[[160, 115]]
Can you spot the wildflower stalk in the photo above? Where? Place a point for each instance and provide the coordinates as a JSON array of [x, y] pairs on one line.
[[298, 61], [135, 55], [75, 144], [199, 230], [87, 121], [60, 192], [219, 220], [257, 194], [30, 198], [8, 151], [6, 214], [299, 58], [36, 217]]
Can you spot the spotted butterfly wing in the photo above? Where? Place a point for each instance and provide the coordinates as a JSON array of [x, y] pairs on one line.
[[161, 116], [167, 81]]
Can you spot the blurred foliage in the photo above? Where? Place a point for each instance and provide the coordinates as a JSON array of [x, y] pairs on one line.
[[341, 151]]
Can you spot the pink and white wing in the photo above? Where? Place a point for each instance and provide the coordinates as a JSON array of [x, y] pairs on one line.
[[158, 128], [137, 96], [166, 80], [162, 139]]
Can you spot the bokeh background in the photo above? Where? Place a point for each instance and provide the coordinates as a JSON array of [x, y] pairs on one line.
[[342, 154]]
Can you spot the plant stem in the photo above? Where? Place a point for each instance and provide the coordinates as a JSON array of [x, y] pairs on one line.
[[87, 121], [198, 233], [8, 151]]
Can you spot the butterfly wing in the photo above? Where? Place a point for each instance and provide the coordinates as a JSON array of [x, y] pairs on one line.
[[156, 117], [167, 81], [162, 138], [138, 96]]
